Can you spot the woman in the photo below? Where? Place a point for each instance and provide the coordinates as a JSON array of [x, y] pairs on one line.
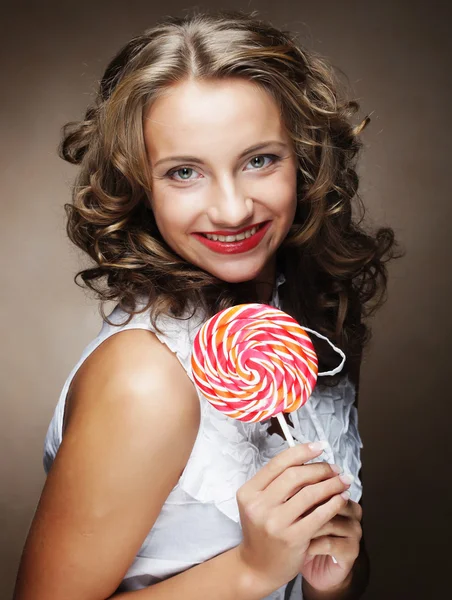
[[216, 167]]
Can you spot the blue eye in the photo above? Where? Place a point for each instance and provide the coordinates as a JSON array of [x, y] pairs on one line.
[[260, 157], [180, 170], [185, 171]]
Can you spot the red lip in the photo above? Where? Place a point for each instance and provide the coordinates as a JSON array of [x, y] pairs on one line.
[[234, 247]]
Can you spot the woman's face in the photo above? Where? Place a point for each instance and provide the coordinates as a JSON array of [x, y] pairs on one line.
[[221, 165]]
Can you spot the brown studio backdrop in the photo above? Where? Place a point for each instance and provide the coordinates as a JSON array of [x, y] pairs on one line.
[[396, 55]]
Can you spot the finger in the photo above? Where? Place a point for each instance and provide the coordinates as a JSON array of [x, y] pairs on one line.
[[341, 526], [352, 510], [307, 500], [348, 510], [310, 524], [346, 549], [337, 526], [293, 479], [356, 510], [290, 457]]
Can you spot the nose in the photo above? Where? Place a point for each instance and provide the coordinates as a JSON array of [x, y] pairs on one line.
[[230, 207]]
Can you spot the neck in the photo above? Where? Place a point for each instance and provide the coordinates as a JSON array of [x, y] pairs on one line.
[[265, 282], [264, 292]]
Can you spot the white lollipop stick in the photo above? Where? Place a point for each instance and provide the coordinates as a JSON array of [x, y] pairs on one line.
[[282, 422]]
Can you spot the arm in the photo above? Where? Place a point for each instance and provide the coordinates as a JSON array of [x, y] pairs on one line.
[[223, 577], [108, 482]]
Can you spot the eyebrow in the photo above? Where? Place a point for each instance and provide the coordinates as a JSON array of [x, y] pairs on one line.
[[193, 159]]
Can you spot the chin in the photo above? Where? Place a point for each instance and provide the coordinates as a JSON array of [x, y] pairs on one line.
[[236, 275], [231, 279]]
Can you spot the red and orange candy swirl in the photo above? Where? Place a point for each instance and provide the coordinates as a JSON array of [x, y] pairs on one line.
[[253, 361]]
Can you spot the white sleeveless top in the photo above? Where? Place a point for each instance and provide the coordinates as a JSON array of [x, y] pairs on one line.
[[200, 517]]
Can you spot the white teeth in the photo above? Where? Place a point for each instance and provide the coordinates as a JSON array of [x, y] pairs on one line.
[[232, 238]]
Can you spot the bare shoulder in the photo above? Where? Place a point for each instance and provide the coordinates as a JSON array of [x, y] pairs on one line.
[[134, 361], [133, 421]]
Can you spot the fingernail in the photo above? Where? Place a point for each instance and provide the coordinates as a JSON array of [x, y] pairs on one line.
[[347, 478], [318, 445], [336, 468], [346, 495]]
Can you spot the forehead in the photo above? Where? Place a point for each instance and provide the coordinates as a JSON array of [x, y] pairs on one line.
[[222, 114]]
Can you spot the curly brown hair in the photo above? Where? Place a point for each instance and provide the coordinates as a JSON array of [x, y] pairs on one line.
[[335, 271]]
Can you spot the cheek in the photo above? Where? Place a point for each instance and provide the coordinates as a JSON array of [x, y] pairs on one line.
[[164, 208], [173, 218], [282, 197]]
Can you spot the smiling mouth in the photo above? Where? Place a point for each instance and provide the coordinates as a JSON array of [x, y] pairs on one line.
[[234, 238]]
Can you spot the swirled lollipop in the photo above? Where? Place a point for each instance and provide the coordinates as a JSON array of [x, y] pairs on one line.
[[253, 361]]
